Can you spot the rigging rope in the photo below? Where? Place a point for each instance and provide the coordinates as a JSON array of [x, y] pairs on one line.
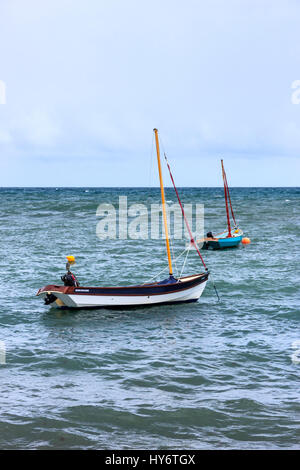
[[215, 287], [192, 241], [173, 256], [184, 216], [165, 269], [187, 254]]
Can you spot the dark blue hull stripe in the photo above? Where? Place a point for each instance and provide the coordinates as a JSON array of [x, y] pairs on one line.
[[140, 290]]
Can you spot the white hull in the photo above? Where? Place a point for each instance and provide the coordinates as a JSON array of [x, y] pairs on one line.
[[74, 300]]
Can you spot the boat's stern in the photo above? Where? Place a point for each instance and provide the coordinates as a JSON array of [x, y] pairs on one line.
[[57, 295]]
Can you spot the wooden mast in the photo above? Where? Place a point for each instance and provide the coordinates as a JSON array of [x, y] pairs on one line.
[[163, 202], [226, 200]]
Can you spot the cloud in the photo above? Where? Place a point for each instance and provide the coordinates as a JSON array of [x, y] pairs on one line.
[[5, 137], [91, 81], [38, 129]]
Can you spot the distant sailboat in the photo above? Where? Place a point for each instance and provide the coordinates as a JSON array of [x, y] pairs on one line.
[[170, 290], [232, 236]]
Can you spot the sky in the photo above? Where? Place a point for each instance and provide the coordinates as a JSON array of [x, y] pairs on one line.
[[83, 84]]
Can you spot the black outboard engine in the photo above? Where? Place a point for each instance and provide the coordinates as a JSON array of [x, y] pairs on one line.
[[50, 298], [209, 235]]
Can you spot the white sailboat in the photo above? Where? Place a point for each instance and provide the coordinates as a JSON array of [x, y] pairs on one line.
[[168, 291]]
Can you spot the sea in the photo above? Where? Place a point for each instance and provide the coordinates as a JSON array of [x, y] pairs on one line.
[[221, 373]]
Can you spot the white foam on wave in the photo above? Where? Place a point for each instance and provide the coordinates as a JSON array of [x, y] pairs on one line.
[[296, 355]]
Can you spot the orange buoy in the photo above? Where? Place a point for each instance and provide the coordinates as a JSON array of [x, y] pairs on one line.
[[246, 241]]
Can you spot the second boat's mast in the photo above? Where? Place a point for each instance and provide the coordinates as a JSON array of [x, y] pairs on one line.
[[226, 200]]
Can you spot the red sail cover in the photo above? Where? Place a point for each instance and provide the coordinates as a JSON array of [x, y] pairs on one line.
[[227, 198]]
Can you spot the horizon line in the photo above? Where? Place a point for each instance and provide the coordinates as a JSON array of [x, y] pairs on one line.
[[142, 187]]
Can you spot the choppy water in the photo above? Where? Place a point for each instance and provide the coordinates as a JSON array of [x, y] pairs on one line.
[[205, 375]]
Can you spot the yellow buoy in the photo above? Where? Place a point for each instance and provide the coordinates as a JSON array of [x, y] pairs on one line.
[[246, 241], [71, 259]]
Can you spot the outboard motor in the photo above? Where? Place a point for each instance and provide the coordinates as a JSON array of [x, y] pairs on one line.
[[50, 298], [209, 235]]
